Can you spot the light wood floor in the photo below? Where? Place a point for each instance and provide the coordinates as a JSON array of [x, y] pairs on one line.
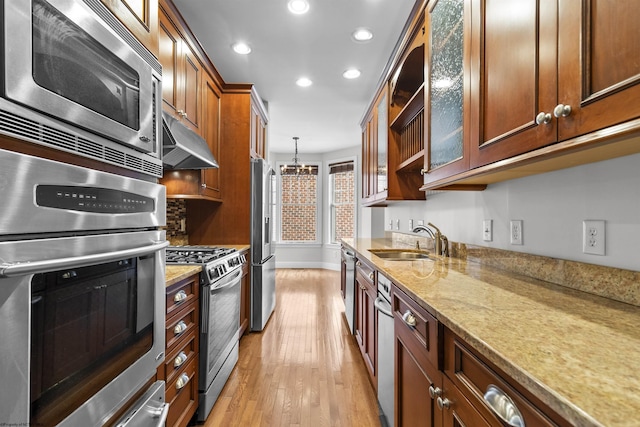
[[304, 369]]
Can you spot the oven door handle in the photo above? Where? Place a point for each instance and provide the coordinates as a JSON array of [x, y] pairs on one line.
[[232, 281], [34, 267], [383, 306]]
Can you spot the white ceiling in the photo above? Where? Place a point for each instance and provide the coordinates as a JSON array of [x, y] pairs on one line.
[[318, 45]]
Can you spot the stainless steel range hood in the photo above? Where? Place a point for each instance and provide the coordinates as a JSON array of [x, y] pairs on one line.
[[182, 148]]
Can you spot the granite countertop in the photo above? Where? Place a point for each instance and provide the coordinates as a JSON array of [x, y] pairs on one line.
[[578, 353], [175, 273]]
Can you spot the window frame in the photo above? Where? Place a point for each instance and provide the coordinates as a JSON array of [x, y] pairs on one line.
[[319, 205], [329, 237]]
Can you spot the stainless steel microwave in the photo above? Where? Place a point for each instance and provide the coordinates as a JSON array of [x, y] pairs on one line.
[[71, 68]]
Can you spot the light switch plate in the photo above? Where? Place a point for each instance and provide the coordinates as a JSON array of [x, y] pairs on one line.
[[487, 230]]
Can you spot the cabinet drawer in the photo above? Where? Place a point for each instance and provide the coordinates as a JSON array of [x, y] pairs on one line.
[[473, 374], [182, 396], [368, 273], [421, 337], [182, 293], [178, 358], [184, 323]]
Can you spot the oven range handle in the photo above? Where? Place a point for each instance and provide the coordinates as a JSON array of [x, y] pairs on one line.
[[34, 267], [231, 281]]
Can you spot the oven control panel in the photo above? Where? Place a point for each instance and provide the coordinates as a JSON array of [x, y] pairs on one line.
[[92, 199]]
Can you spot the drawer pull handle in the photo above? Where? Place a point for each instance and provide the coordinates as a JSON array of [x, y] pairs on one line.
[[180, 328], [179, 360], [503, 407], [182, 381], [443, 403], [409, 319], [180, 296], [434, 391]]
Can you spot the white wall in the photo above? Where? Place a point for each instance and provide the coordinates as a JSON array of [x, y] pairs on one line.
[[552, 207]]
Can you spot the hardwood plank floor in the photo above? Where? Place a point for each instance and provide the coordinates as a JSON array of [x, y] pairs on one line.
[[304, 369]]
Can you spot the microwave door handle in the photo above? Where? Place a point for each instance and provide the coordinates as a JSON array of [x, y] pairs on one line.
[[34, 267]]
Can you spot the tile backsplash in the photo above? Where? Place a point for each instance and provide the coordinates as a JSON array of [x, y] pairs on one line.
[[176, 216]]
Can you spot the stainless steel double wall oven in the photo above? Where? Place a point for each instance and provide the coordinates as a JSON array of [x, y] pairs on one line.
[[82, 254]]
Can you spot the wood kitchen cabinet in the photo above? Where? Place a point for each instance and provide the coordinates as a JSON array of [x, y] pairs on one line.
[[182, 71], [140, 17], [258, 131], [559, 71], [393, 128], [228, 223], [180, 370], [366, 331]]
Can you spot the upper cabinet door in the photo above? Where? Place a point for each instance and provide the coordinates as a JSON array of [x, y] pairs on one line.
[[181, 74], [448, 88], [140, 17], [514, 78], [599, 69]]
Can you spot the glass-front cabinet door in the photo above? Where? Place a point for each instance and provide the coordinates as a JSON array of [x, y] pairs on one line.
[[447, 89]]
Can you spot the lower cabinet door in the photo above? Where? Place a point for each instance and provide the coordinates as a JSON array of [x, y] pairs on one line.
[[414, 378], [456, 410]]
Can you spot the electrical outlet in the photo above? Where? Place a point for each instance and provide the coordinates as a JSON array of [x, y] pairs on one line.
[[516, 232], [410, 224], [593, 237], [397, 224], [183, 225], [390, 224], [421, 222], [487, 230]]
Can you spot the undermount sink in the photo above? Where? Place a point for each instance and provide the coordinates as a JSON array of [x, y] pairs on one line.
[[400, 254]]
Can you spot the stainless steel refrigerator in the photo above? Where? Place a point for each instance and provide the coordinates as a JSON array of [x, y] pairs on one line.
[[263, 260]]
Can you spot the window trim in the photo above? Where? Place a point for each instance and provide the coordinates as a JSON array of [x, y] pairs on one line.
[[353, 159]]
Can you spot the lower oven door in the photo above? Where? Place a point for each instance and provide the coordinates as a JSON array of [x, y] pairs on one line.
[[83, 325], [219, 331]]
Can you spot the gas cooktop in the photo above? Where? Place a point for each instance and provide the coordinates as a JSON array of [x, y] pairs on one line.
[[196, 254]]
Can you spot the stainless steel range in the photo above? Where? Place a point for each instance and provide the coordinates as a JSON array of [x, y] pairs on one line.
[[219, 315]]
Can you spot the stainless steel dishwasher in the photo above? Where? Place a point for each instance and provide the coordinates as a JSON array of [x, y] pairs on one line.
[[385, 350], [348, 275]]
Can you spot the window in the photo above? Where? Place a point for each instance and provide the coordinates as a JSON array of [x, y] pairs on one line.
[[342, 201], [299, 191]]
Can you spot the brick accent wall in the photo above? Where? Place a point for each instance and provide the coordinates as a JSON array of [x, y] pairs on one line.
[[344, 201], [299, 208]]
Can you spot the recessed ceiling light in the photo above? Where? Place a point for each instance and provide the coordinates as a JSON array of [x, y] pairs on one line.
[[351, 73], [241, 48], [362, 34], [304, 82], [298, 6]]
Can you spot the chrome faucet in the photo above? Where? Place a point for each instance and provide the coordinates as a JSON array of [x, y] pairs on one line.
[[441, 243]]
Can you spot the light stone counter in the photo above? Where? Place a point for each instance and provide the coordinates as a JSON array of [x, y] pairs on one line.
[[578, 353]]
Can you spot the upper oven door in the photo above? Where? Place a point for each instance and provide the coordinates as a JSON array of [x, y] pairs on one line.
[[63, 60]]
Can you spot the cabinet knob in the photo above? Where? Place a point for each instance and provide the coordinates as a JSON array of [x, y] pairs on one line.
[[179, 360], [358, 263], [543, 118], [562, 110], [371, 275], [182, 381], [443, 403], [180, 328], [423, 171], [409, 319], [434, 391], [180, 296]]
